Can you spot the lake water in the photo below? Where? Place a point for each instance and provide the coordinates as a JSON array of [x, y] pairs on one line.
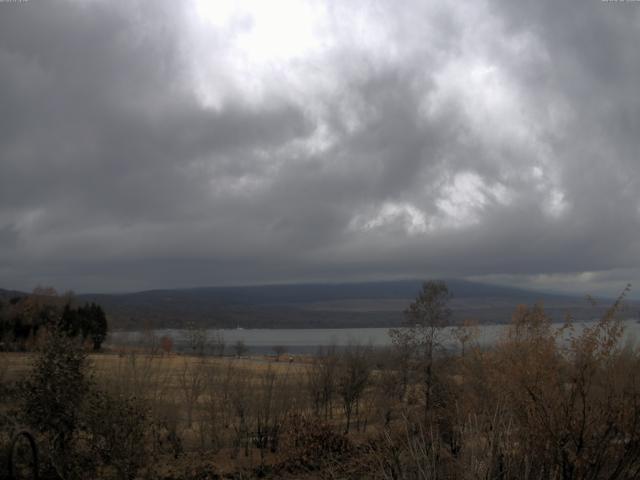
[[309, 340]]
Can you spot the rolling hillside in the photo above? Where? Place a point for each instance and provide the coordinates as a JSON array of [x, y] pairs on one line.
[[366, 304]]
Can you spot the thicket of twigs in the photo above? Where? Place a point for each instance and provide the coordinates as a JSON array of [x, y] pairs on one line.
[[544, 402]]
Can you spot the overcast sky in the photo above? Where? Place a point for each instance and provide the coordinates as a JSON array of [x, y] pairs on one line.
[[157, 143]]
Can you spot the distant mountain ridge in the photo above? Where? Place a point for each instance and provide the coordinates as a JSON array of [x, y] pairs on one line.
[[316, 305], [314, 292]]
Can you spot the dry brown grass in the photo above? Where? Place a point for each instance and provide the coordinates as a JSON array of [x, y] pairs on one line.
[[15, 365], [531, 407]]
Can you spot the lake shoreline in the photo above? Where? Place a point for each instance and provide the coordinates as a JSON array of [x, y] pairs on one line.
[[307, 340]]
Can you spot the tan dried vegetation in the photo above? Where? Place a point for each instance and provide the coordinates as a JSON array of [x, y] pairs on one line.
[[544, 402]]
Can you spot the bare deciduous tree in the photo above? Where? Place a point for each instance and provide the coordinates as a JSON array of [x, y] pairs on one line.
[[218, 343], [465, 333], [279, 350], [421, 332], [321, 381], [191, 380], [353, 377], [240, 348], [166, 344], [197, 338]]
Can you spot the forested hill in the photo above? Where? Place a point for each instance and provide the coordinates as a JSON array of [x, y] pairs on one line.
[[366, 304], [329, 305]]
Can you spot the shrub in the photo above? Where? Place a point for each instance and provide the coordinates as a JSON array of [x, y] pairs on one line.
[[312, 445], [52, 397], [81, 427], [115, 428]]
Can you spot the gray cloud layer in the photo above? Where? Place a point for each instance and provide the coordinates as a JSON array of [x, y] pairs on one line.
[[145, 145]]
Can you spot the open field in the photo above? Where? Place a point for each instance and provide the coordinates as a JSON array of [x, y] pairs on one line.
[[203, 405], [15, 365]]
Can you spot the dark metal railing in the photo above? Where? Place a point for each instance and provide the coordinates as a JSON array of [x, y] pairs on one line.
[[16, 458]]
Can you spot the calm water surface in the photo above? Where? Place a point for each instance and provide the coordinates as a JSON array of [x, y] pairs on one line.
[[309, 340]]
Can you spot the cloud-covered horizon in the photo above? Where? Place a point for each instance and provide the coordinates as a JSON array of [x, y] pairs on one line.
[[170, 144]]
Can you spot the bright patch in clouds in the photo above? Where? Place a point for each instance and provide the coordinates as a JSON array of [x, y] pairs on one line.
[[556, 204], [465, 196], [392, 216], [265, 31], [404, 215], [461, 202], [262, 42]]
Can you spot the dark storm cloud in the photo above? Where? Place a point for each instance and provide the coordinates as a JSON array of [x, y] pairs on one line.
[[141, 147]]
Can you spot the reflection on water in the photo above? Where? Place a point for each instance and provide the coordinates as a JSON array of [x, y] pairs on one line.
[[309, 340]]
